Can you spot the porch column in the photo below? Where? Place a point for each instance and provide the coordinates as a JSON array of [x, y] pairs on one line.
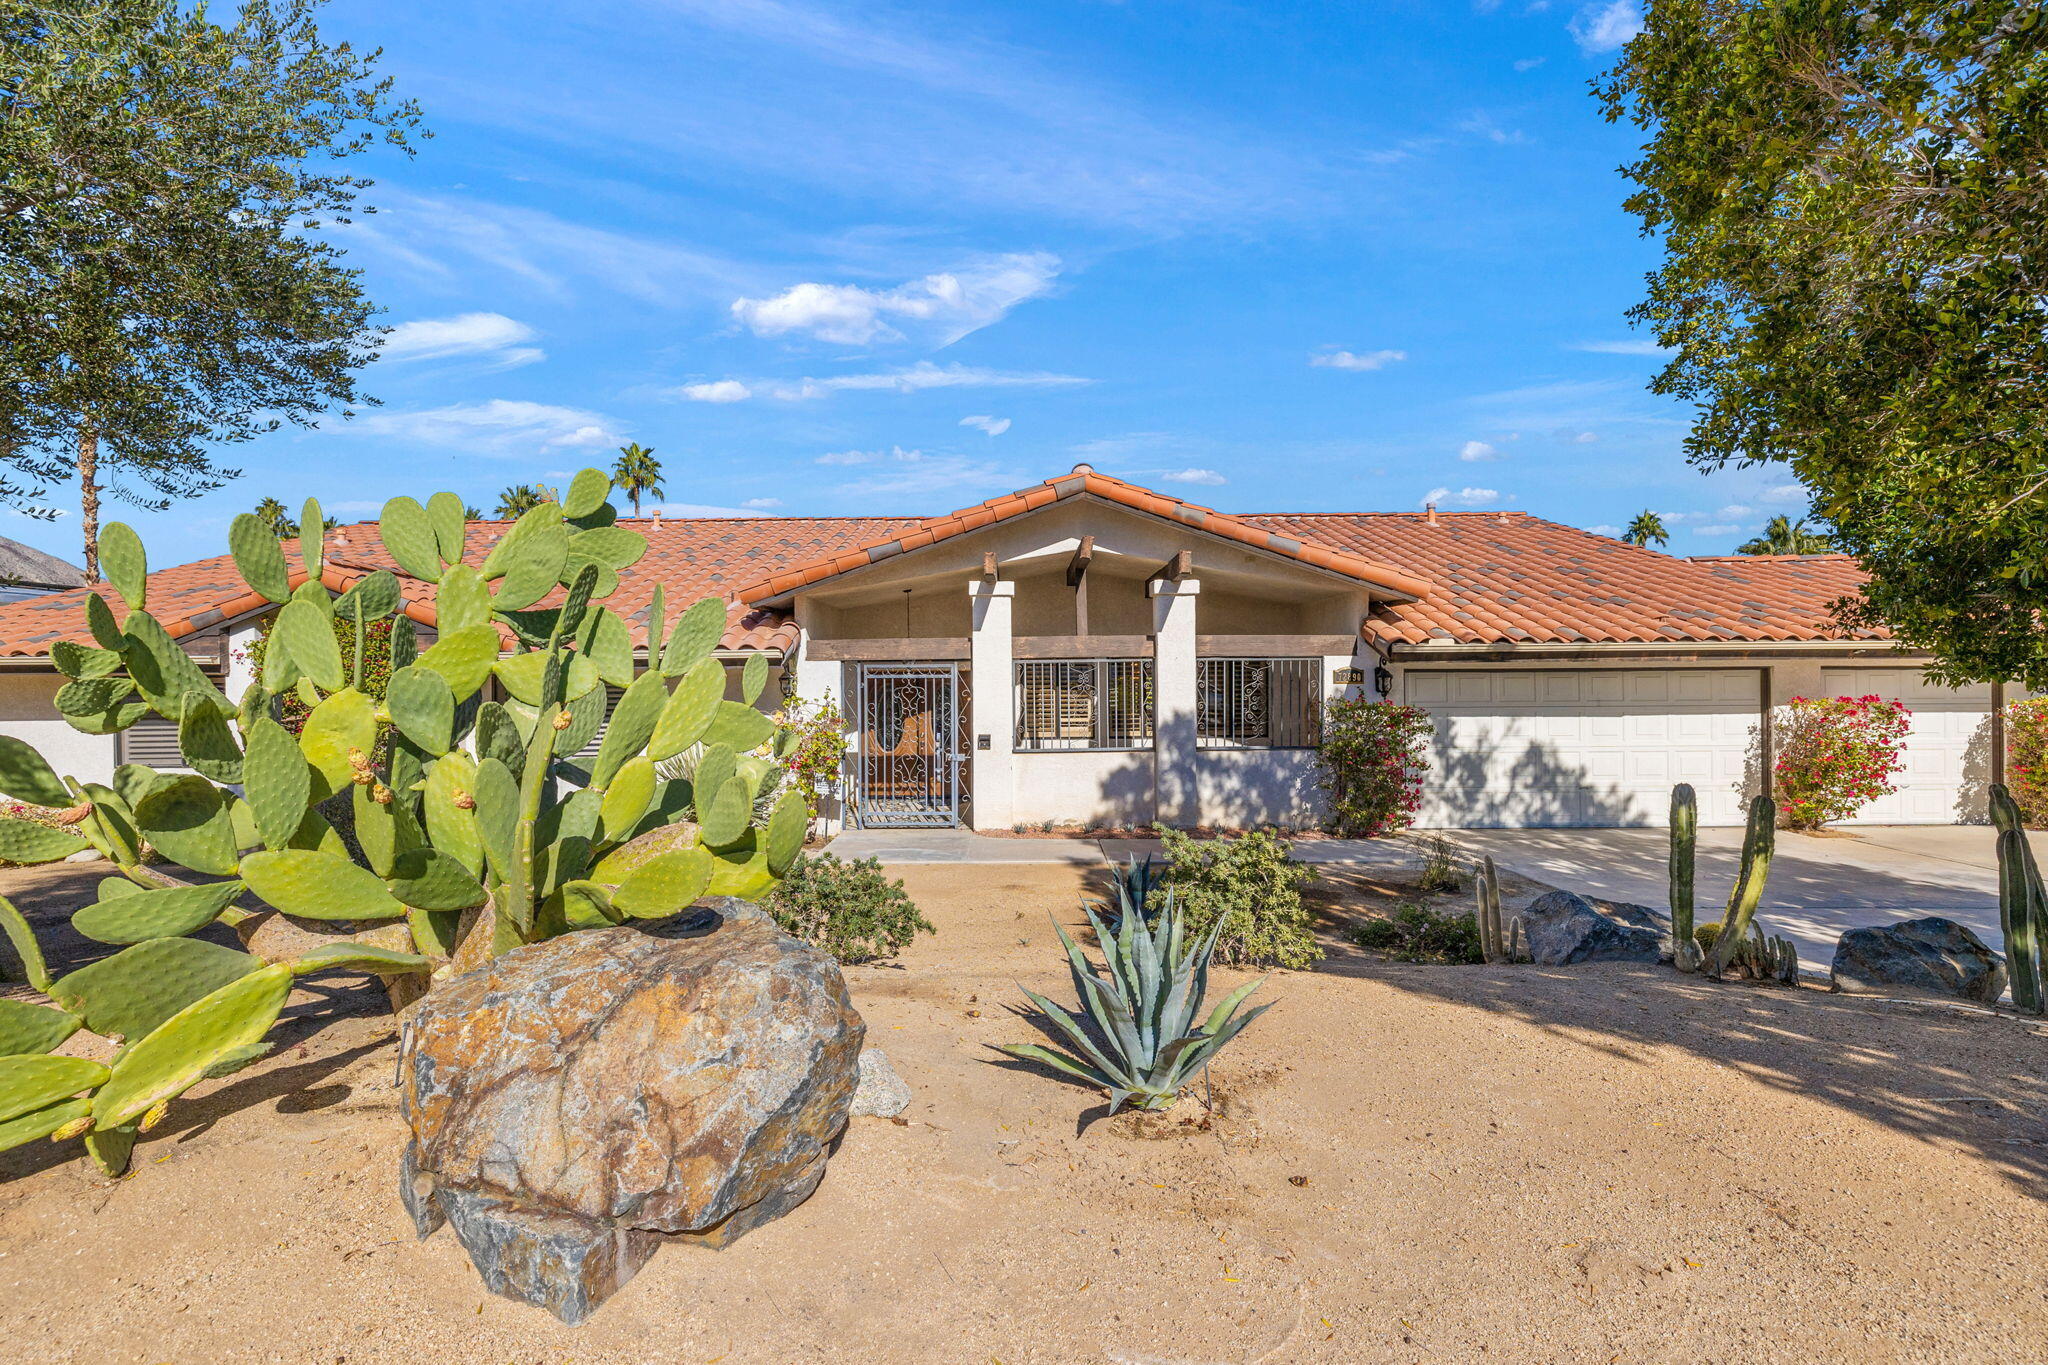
[[1176, 799], [990, 726]]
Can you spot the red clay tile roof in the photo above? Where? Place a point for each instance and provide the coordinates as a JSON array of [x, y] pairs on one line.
[[1085, 480], [1481, 577], [1506, 577]]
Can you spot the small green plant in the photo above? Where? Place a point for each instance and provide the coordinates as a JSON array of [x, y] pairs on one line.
[[1249, 891], [1140, 1042], [1416, 933], [850, 910], [1440, 869]]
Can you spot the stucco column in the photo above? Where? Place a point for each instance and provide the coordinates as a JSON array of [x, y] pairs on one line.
[[1176, 797], [991, 728]]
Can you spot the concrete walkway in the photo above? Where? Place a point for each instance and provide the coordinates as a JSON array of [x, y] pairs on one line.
[[965, 846], [1820, 886]]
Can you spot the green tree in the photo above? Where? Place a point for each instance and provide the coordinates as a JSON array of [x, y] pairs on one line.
[[519, 499], [280, 521], [637, 474], [1784, 536], [161, 175], [1854, 211], [1647, 526], [470, 513]]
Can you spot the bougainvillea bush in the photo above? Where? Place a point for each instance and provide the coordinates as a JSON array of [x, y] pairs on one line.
[[1836, 755], [1370, 765], [2026, 758], [819, 748]]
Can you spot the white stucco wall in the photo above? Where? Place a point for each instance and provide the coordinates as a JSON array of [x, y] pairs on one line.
[[28, 712], [1247, 787], [1093, 787]]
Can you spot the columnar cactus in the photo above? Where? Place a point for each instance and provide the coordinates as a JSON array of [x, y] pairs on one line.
[[1497, 942], [476, 832], [1685, 830], [2022, 906], [1758, 843]]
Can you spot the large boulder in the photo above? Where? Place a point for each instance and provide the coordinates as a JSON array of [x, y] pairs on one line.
[[1932, 956], [1562, 927], [577, 1102]]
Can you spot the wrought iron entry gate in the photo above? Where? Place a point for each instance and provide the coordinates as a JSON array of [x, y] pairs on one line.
[[907, 771]]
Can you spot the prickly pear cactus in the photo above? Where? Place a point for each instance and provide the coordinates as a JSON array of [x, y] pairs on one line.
[[475, 829]]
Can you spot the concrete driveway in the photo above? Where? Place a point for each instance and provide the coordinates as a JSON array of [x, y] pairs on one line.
[[1820, 886]]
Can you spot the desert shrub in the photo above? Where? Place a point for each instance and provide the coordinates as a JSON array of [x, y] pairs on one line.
[[820, 746], [1415, 933], [2026, 758], [1440, 870], [1836, 755], [1250, 885], [1370, 765], [849, 910]]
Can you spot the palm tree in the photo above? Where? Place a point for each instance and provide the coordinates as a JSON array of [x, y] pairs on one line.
[[518, 500], [638, 473], [1784, 536], [272, 514], [1647, 526], [472, 513]]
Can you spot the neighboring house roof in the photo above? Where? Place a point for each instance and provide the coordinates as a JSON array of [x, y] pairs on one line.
[[24, 566], [1507, 577], [695, 557], [1083, 480], [1477, 577]]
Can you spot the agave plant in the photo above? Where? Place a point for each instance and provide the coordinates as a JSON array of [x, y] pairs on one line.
[[1131, 883], [476, 832], [1144, 1044]]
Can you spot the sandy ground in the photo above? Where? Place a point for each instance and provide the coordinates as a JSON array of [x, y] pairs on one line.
[[1411, 1163]]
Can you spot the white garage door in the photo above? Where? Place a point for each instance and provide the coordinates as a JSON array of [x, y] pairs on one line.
[[1521, 748], [1948, 750]]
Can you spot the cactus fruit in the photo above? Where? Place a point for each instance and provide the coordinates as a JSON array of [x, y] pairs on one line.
[[473, 832]]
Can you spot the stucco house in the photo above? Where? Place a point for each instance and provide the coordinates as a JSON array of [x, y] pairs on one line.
[[1087, 649]]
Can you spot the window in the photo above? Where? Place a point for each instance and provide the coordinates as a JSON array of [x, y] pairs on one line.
[[1259, 703], [151, 741], [1084, 704]]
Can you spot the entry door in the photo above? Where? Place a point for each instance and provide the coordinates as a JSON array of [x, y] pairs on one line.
[[907, 773]]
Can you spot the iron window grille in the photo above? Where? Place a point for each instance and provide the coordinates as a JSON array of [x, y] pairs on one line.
[[1080, 704], [1259, 703]]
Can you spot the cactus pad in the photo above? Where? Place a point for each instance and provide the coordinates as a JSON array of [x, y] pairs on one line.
[[138, 988], [307, 634], [277, 783], [75, 660], [739, 727], [463, 657], [753, 679], [26, 842], [32, 1081], [206, 740], [665, 885], [627, 798], [586, 493], [429, 879], [342, 723], [162, 671], [23, 940], [175, 1055], [632, 723], [188, 822], [786, 830], [258, 557], [462, 600], [134, 915], [126, 565], [358, 957], [33, 1028], [422, 706], [316, 885], [730, 810], [410, 536], [25, 776], [40, 1123], [534, 567]]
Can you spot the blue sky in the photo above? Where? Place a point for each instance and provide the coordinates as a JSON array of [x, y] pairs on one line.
[[850, 258]]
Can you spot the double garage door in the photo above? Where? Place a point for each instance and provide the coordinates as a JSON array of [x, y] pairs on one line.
[[1533, 748]]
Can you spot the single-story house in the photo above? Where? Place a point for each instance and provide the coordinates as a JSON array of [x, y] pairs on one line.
[[28, 572], [1090, 650]]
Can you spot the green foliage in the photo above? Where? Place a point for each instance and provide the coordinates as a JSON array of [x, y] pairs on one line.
[[1370, 764], [1784, 536], [165, 271], [2026, 758], [393, 796], [1646, 527], [1856, 266], [850, 910], [1249, 893], [637, 474], [1416, 933], [1141, 1042], [1441, 870]]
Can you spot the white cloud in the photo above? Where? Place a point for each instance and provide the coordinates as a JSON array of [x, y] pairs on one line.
[[1112, 448], [853, 457], [491, 335], [1480, 125], [994, 426], [1475, 451], [1714, 530], [1351, 360], [1631, 346], [501, 426], [1530, 63], [1613, 531], [1464, 497], [761, 504], [717, 391], [1599, 28], [951, 304], [913, 474], [909, 379], [1736, 509], [1202, 476], [1581, 438], [1785, 493]]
